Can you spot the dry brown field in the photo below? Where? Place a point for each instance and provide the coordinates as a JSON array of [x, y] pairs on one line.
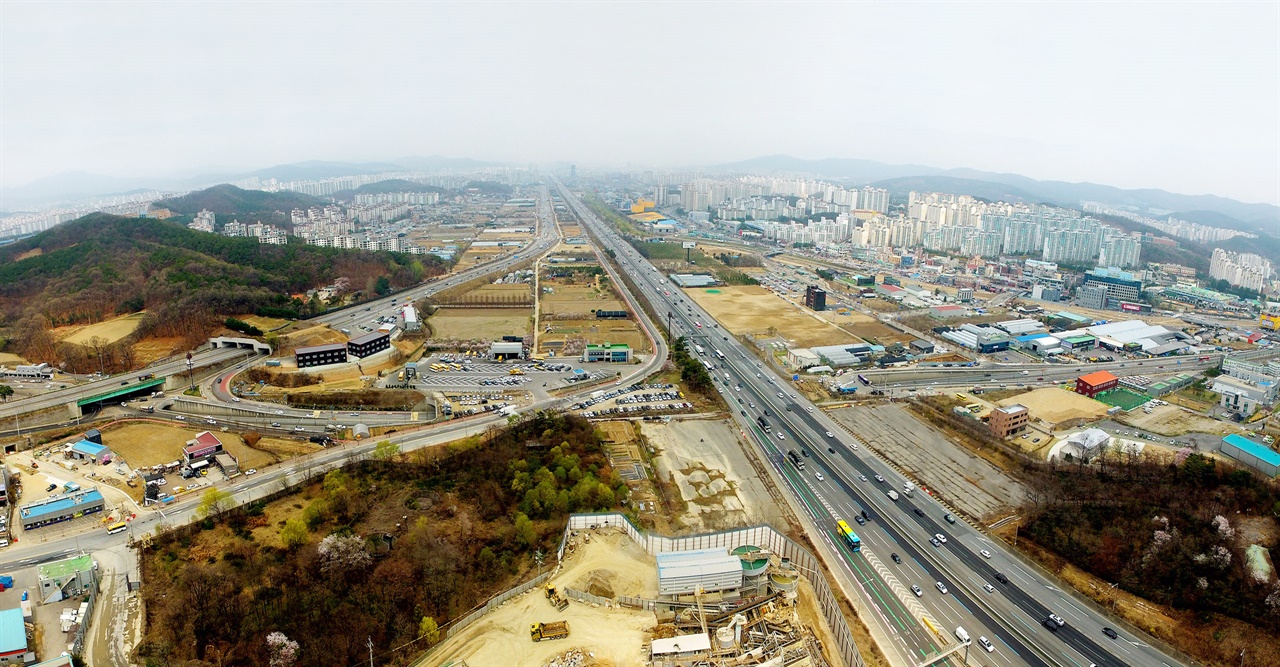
[[755, 310], [1056, 405], [479, 323], [110, 331], [145, 444]]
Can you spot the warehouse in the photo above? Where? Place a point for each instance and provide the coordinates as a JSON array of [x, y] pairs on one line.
[[693, 280], [1020, 327], [839, 356], [611, 314], [60, 508], [13, 637], [617, 353], [921, 346], [320, 355], [1095, 383], [1252, 454], [91, 451], [946, 311], [506, 350], [410, 315], [708, 570], [370, 343]]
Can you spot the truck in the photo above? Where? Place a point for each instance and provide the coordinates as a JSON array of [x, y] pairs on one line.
[[907, 489], [554, 630], [764, 424], [557, 600], [893, 495], [698, 349], [976, 390]]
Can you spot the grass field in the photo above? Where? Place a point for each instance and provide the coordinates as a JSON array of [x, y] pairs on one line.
[[1056, 405], [756, 310], [144, 444], [11, 359], [592, 331], [480, 323], [111, 331], [1123, 399]]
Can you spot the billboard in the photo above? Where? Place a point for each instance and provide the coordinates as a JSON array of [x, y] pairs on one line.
[[689, 244]]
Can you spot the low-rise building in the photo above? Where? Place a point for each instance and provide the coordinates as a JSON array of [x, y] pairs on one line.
[[943, 312], [368, 344], [617, 353], [502, 351], [204, 445], [90, 451], [66, 578], [13, 638], [1007, 420], [1252, 454], [320, 355], [1242, 396], [60, 508], [1095, 383]]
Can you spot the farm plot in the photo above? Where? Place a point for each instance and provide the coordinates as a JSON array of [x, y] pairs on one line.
[[479, 323], [755, 310], [109, 331]]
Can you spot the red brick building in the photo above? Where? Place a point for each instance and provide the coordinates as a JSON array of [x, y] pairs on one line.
[[1095, 383], [1009, 420]]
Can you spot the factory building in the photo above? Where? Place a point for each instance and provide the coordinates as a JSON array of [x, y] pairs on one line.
[[708, 570], [1252, 454], [504, 350]]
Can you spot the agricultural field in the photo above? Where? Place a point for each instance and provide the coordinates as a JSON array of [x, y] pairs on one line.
[[152, 349], [1056, 405], [479, 323], [144, 444], [872, 330], [756, 310], [568, 318], [109, 331]]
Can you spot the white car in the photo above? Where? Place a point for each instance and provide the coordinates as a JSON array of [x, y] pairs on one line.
[[818, 475], [809, 409], [781, 437], [279, 412], [275, 424], [879, 479], [251, 471], [985, 554], [941, 538], [942, 588], [180, 418], [830, 434], [298, 428], [986, 643], [235, 399], [916, 589]]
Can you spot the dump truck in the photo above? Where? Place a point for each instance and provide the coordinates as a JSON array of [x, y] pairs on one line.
[[555, 630], [557, 600]]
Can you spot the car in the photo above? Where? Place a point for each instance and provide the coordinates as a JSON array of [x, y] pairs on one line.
[[862, 477], [211, 421], [124, 382], [251, 471], [279, 412], [819, 476], [124, 404], [830, 434], [986, 643], [805, 453], [985, 554], [831, 450], [918, 511], [1048, 623], [879, 478], [809, 409], [50, 487], [854, 447], [354, 414], [1057, 620], [1001, 578], [942, 588], [949, 518], [916, 589], [780, 395], [298, 428], [989, 588], [180, 418], [934, 541], [896, 558], [235, 399], [275, 424], [1110, 633], [781, 436]]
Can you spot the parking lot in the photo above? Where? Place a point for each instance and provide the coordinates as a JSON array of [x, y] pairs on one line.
[[634, 399]]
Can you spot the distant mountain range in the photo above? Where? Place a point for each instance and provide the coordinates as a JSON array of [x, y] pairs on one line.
[[74, 186], [902, 178]]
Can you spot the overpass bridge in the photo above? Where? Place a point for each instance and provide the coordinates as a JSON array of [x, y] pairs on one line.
[[122, 391]]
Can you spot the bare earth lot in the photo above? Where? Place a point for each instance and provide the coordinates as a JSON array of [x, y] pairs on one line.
[[1056, 405], [144, 444], [966, 481], [1173, 420], [753, 309], [110, 331], [480, 323], [720, 487]]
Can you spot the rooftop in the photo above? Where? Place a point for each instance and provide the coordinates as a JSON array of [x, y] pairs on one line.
[[330, 347], [1098, 377], [1268, 456], [1012, 409], [367, 338], [90, 448], [59, 503], [66, 567], [13, 633]]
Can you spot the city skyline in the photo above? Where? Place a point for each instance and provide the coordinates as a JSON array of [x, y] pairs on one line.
[[1110, 95]]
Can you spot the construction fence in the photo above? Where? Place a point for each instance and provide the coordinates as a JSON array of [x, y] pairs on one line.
[[760, 536]]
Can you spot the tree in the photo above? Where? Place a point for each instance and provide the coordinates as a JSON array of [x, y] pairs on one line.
[[428, 630], [382, 285], [340, 554], [386, 450], [294, 534], [284, 651], [526, 535], [214, 502], [5, 392], [251, 438]]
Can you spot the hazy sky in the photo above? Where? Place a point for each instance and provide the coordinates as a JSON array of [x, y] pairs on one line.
[[1182, 97]]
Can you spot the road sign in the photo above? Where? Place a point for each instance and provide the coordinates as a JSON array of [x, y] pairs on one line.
[[689, 244]]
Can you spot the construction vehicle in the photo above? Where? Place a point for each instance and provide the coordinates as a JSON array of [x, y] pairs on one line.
[[555, 630], [557, 600]]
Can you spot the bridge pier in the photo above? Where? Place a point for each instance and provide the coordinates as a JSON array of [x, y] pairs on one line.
[[74, 411]]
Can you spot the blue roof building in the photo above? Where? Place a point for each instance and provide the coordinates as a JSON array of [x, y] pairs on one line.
[[13, 636], [92, 451], [1252, 454], [60, 508]]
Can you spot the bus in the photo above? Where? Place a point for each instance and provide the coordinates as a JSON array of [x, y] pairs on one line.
[[850, 537], [708, 365], [764, 424], [719, 354], [863, 379], [117, 528], [796, 460]]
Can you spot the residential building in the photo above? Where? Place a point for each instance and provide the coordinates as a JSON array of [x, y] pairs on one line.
[[815, 298], [1095, 383], [1007, 420], [320, 355], [1245, 270]]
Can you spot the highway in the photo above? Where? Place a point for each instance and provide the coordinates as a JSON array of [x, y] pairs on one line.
[[1011, 616]]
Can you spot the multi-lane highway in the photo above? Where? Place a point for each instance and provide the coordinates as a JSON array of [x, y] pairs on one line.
[[1011, 614]]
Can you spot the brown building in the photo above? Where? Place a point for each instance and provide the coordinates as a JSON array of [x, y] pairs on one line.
[[1009, 420], [1095, 383]]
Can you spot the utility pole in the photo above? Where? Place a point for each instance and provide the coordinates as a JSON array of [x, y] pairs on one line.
[[371, 652]]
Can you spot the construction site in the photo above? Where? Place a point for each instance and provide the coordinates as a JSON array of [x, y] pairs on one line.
[[610, 602]]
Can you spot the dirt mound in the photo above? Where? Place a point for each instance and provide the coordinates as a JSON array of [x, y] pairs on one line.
[[600, 582]]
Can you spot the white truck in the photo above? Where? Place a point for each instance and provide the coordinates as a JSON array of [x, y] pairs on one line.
[[908, 489], [893, 495], [962, 635]]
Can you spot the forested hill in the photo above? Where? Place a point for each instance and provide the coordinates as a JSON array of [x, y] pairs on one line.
[[101, 265], [229, 202]]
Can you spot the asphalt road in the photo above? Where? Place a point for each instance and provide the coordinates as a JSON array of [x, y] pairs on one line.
[[1011, 616]]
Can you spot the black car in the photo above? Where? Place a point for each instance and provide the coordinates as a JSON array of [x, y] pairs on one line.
[[896, 558], [832, 450], [1053, 627], [918, 511], [805, 452], [50, 487], [1001, 578], [1110, 633]]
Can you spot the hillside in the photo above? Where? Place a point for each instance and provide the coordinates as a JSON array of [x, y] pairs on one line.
[[229, 202], [93, 268], [986, 190], [392, 185]]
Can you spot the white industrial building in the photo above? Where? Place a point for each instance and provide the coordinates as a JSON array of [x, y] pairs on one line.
[[1020, 327], [708, 570], [1086, 444], [506, 350], [1153, 339], [410, 315]]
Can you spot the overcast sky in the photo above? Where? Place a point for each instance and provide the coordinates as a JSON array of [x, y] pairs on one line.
[[1182, 97]]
